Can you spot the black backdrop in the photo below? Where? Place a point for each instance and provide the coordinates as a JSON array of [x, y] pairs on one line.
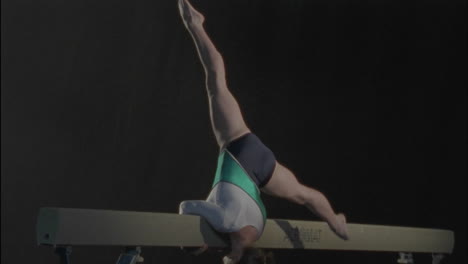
[[103, 106]]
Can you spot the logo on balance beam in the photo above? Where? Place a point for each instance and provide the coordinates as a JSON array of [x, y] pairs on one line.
[[303, 235]]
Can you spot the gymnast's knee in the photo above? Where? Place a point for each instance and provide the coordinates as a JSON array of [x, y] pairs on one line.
[[300, 196]]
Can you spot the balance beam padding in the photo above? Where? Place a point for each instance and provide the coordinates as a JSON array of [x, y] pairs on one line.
[[66, 226]]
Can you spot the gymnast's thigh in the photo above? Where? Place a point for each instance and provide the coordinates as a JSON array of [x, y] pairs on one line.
[[283, 183]]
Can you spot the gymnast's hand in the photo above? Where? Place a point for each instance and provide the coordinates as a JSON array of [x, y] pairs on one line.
[[189, 15]]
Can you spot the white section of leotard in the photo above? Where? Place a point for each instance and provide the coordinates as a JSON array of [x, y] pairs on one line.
[[228, 209]]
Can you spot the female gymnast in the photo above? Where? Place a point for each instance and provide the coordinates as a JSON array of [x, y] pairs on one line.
[[245, 165]]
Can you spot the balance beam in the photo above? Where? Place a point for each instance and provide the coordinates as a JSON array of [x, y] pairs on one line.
[[67, 227]]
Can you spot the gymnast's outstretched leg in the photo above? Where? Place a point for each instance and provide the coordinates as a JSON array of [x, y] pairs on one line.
[[226, 117], [285, 185]]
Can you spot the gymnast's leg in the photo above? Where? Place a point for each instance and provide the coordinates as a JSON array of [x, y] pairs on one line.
[[284, 184], [226, 117]]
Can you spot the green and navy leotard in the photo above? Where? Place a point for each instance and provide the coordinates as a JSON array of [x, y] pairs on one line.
[[244, 166]]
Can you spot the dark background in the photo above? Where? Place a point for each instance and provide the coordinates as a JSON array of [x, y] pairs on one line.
[[103, 106]]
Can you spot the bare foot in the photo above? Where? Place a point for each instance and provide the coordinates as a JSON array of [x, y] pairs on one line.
[[341, 228], [189, 15]]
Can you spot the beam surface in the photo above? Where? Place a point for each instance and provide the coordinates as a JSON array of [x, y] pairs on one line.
[[67, 226]]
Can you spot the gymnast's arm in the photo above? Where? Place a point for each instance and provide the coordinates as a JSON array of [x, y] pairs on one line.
[[210, 57]]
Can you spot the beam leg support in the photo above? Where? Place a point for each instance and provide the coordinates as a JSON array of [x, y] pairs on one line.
[[64, 253], [437, 258]]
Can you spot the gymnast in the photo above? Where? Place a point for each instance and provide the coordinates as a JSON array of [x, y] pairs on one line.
[[246, 167]]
